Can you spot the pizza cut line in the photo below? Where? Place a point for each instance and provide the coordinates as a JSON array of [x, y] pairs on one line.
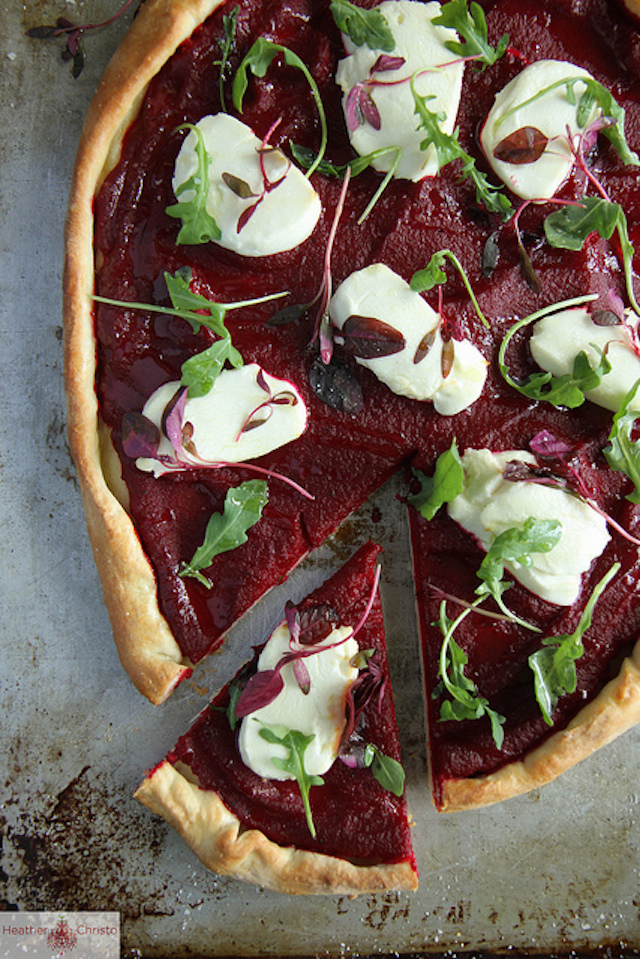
[[309, 245]]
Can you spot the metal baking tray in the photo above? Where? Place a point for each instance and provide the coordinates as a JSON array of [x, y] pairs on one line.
[[553, 872]]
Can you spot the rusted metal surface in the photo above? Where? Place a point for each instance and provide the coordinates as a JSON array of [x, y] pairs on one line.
[[548, 873]]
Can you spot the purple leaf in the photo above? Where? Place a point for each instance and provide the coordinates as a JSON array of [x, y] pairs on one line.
[[336, 385], [315, 623], [548, 446], [353, 111], [140, 437], [173, 418], [369, 110], [302, 676], [262, 382], [385, 63], [262, 689], [367, 337], [240, 187], [447, 357], [525, 145], [424, 346], [246, 214]]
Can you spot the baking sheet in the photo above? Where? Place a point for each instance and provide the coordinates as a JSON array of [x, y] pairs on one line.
[[553, 871]]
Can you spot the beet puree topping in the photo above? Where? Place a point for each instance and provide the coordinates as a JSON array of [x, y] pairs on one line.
[[347, 452]]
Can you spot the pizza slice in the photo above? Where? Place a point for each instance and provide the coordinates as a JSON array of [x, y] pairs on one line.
[[291, 777]]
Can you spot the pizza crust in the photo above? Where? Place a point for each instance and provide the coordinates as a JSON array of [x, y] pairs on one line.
[[219, 840], [614, 711], [145, 642]]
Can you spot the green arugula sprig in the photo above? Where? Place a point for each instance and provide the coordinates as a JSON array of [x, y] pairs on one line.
[[554, 666], [258, 60], [567, 390], [470, 24], [297, 743], [198, 226], [448, 149], [446, 483], [433, 274], [243, 506], [365, 27], [465, 701], [388, 772], [227, 46], [199, 372], [515, 545], [569, 227], [623, 452]]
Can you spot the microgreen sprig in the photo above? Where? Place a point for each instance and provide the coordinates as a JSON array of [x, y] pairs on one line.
[[364, 27], [258, 60], [433, 274], [243, 506], [73, 50], [623, 452], [227, 46], [554, 666], [567, 390], [297, 743]]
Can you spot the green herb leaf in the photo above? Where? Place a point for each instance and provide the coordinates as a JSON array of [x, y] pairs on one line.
[[258, 60], [465, 702], [386, 770], [446, 483], [363, 26], [554, 666], [471, 25], [448, 149], [198, 226], [564, 391], [569, 227], [197, 309], [200, 372], [227, 46], [434, 274], [623, 453], [243, 507], [296, 742], [515, 545]]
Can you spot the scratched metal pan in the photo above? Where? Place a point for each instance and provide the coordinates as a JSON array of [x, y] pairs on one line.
[[547, 873]]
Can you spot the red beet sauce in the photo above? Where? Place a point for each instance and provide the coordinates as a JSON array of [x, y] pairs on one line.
[[343, 457]]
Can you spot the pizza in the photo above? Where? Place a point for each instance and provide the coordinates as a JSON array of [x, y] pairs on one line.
[[216, 786], [311, 244]]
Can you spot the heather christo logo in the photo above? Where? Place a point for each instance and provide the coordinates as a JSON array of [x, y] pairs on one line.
[[53, 935]]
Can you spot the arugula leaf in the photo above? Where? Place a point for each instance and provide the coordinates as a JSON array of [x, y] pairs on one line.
[[200, 371], [197, 309], [515, 545], [433, 274], [471, 25], [198, 226], [446, 483], [624, 453], [296, 742], [364, 27], [448, 149], [225, 531], [258, 60], [227, 45], [569, 227], [567, 390], [386, 770], [465, 702], [554, 666]]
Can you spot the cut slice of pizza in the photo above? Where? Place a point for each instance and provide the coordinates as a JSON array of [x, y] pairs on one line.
[[527, 583], [291, 778]]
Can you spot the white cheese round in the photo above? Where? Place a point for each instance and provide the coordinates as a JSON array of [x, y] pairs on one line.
[[378, 292], [553, 114], [320, 712], [421, 44], [220, 418], [489, 505], [284, 218], [558, 338]]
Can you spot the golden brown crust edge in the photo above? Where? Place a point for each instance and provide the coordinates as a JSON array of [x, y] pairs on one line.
[[145, 643], [218, 839], [614, 711]]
